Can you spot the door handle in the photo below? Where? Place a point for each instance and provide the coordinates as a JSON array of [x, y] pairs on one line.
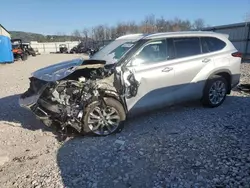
[[206, 60], [167, 69]]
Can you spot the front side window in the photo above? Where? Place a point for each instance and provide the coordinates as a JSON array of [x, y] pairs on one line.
[[152, 52], [185, 47], [211, 44]]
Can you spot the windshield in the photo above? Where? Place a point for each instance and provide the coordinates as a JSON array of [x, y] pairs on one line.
[[15, 46], [121, 50], [114, 50]]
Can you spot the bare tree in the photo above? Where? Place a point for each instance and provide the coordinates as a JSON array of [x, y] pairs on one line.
[[121, 29], [132, 27], [77, 34], [98, 33], [148, 24], [107, 31], [85, 33], [161, 25], [199, 24], [113, 33]]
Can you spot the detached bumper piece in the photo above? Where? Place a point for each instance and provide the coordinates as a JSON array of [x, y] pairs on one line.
[[28, 102], [244, 87], [30, 98]]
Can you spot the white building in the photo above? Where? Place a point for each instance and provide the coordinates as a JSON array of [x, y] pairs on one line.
[[4, 31]]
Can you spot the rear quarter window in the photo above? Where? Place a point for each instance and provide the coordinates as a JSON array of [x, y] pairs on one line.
[[211, 44]]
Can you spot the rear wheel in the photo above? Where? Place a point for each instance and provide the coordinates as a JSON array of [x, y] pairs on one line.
[[103, 121], [215, 91]]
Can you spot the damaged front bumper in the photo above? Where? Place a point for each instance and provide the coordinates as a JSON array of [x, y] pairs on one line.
[[29, 99]]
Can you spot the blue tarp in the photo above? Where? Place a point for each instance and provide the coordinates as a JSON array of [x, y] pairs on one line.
[[6, 55]]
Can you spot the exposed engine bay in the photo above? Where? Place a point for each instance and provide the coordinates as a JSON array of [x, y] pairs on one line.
[[61, 98]]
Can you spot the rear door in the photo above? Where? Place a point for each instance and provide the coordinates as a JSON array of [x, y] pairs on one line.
[[188, 64], [152, 69]]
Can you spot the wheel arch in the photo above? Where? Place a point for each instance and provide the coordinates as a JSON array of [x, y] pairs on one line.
[[116, 96], [225, 73]]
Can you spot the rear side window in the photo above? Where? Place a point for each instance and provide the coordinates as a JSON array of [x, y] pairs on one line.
[[185, 47], [211, 44]]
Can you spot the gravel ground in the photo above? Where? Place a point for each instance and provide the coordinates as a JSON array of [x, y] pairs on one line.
[[182, 146]]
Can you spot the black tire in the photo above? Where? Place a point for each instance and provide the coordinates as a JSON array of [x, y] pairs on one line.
[[206, 98], [24, 57], [110, 102]]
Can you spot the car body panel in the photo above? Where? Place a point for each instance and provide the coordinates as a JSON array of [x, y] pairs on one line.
[[155, 87], [57, 71], [187, 86]]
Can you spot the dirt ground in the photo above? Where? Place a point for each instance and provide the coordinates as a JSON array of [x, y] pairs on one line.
[[182, 146]]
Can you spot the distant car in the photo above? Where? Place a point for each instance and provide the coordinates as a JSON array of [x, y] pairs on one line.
[[63, 48], [79, 49], [131, 75]]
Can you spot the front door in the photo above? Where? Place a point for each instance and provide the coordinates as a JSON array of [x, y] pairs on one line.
[[155, 76]]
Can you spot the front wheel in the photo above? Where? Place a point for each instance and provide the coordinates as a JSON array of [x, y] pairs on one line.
[[215, 91], [106, 119]]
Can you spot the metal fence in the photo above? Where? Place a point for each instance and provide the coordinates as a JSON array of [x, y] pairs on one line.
[[239, 35], [53, 47]]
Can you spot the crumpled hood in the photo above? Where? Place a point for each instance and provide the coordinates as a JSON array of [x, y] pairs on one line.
[[57, 71]]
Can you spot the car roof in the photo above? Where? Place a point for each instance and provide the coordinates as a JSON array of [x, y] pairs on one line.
[[131, 36], [185, 34]]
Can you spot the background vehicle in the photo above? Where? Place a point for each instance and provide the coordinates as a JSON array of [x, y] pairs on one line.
[[29, 50], [84, 47], [36, 51], [146, 73], [18, 50], [63, 48]]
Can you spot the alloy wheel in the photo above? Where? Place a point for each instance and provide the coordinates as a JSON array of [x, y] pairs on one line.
[[103, 121], [217, 92]]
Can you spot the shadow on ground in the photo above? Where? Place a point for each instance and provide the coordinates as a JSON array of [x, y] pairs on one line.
[[181, 146], [12, 113]]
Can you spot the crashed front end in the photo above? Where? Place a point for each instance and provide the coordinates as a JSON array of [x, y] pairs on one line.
[[59, 94]]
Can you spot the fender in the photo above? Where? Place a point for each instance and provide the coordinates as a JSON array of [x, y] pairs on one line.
[[115, 95], [220, 71]]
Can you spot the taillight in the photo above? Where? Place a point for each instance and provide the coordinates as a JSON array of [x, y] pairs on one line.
[[237, 54]]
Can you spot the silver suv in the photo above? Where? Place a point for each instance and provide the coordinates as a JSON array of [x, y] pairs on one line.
[[141, 73]]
